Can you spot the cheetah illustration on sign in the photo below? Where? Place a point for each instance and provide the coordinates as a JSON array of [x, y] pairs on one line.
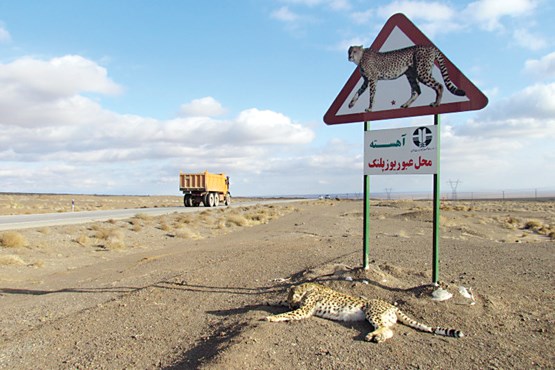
[[415, 62], [377, 90]]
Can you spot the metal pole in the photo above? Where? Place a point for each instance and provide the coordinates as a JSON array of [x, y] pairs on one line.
[[366, 215], [436, 208]]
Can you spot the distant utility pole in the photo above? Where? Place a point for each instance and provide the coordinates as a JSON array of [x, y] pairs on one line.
[[388, 191], [454, 185]]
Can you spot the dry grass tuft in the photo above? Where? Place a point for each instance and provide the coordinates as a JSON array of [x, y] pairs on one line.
[[183, 219], [101, 233], [165, 227], [236, 220], [110, 238], [44, 230], [13, 239], [83, 240], [143, 216], [186, 233], [260, 216], [511, 223], [11, 259], [535, 225], [115, 240]]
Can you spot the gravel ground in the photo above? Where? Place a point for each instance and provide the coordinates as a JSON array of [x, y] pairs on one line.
[[182, 293]]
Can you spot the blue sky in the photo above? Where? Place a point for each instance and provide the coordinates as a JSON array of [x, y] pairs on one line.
[[116, 97]]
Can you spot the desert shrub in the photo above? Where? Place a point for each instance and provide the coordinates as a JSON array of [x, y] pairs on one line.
[[13, 239], [533, 225], [186, 233], [115, 240], [236, 219], [44, 230], [102, 233], [111, 238], [183, 219], [165, 227], [260, 218], [510, 223], [264, 214], [83, 239], [143, 216], [512, 220]]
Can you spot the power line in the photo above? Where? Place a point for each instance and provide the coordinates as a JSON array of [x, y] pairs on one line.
[[454, 185], [388, 191]]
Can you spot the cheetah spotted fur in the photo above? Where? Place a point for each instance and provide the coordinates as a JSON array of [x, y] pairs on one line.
[[310, 299], [415, 62]]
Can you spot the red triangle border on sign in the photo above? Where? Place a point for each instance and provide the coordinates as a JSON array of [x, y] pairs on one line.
[[476, 99]]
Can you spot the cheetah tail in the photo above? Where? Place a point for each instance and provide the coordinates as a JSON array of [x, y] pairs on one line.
[[404, 319], [445, 74], [448, 332]]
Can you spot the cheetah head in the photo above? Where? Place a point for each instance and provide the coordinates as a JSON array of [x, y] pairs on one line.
[[297, 293], [355, 54]]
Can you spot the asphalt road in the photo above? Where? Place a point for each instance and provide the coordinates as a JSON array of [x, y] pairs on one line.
[[14, 222]]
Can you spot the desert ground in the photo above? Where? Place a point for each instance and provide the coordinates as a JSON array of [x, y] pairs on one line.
[[187, 291]]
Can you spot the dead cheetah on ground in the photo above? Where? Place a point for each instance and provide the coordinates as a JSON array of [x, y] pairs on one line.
[[314, 299]]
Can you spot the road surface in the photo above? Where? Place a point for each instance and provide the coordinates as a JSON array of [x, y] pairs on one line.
[[14, 222]]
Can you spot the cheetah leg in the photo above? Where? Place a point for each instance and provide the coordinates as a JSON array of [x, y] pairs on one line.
[[429, 81], [379, 335], [308, 306], [414, 87], [359, 92], [372, 91]]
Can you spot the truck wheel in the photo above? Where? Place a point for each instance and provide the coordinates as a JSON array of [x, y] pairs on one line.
[[216, 199], [188, 200], [209, 200], [227, 199]]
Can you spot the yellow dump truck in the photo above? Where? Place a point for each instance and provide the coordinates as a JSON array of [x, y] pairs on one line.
[[207, 188]]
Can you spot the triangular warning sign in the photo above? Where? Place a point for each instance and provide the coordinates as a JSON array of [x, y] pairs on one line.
[[398, 33]]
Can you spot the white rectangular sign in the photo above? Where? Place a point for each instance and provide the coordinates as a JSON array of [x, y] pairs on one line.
[[409, 150]]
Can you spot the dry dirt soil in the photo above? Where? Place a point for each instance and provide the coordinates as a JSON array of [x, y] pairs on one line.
[[187, 291]]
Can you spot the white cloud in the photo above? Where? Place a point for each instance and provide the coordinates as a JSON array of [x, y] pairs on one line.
[[344, 45], [433, 16], [528, 114], [49, 125], [203, 107], [5, 36], [285, 15], [488, 13], [541, 68], [36, 92], [268, 127], [332, 4], [509, 142], [529, 40], [362, 17], [51, 79], [339, 4]]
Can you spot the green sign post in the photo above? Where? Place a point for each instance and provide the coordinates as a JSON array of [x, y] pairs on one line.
[[367, 96]]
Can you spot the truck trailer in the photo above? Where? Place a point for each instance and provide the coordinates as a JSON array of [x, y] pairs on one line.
[[207, 188]]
